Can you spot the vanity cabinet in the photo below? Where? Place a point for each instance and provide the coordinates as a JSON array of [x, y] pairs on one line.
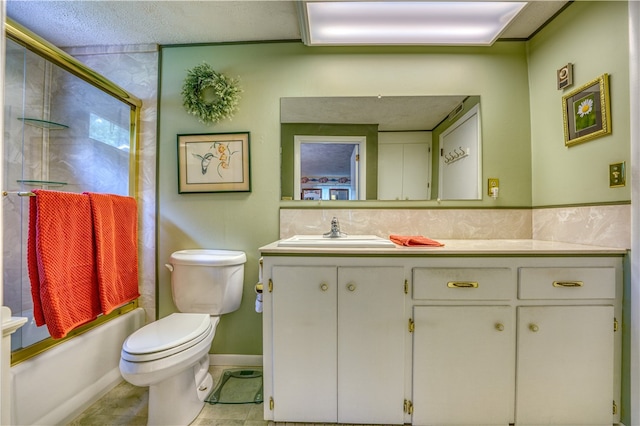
[[543, 356], [524, 335], [566, 346], [463, 346], [338, 344]]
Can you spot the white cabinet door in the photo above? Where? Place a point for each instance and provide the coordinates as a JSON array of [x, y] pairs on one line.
[[463, 365], [565, 365], [371, 330], [404, 171], [304, 344], [416, 172], [390, 173]]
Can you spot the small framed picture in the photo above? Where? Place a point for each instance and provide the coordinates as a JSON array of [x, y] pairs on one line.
[[586, 112], [311, 194], [338, 194], [214, 162], [565, 76]]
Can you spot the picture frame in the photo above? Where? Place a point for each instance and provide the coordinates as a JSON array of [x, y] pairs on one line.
[[311, 194], [214, 162], [586, 112], [338, 194]]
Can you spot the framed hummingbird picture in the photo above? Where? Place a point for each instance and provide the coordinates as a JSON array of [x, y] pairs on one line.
[[214, 162]]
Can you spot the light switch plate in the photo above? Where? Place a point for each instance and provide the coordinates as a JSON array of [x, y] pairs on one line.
[[617, 176]]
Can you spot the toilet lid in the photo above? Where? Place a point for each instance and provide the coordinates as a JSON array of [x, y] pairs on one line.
[[167, 333]]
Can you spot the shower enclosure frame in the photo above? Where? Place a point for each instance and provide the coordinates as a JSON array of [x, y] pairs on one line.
[[56, 56]]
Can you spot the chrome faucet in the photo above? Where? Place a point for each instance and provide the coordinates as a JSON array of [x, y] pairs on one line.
[[335, 230]]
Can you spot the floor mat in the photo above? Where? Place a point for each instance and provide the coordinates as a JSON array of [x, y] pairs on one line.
[[238, 386]]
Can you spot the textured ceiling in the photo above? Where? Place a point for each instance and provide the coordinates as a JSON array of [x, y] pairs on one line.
[[390, 113], [72, 23]]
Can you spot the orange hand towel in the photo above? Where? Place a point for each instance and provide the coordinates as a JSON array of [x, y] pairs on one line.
[[115, 220], [414, 240], [60, 261]]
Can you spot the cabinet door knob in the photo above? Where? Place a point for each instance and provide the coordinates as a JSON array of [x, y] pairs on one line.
[[499, 327], [533, 328], [351, 287], [324, 287]]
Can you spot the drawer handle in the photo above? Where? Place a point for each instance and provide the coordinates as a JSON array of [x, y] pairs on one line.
[[568, 284], [500, 327], [351, 287], [324, 287], [534, 328], [462, 284]]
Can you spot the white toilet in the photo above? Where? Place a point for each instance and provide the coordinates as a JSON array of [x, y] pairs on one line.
[[171, 355]]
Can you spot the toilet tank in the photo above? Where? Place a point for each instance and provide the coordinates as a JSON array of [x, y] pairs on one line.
[[207, 281]]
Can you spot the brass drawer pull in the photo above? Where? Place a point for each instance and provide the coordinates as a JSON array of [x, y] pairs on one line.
[[462, 284], [568, 284], [324, 287]]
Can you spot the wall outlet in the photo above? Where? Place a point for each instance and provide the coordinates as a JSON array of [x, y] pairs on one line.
[[492, 183], [617, 176]]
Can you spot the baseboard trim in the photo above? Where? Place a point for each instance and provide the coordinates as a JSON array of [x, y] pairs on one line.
[[235, 359]]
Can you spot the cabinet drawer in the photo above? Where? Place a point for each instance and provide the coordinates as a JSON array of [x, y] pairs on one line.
[[567, 283], [462, 283]]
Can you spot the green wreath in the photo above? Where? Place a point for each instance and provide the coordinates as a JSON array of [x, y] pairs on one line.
[[225, 90]]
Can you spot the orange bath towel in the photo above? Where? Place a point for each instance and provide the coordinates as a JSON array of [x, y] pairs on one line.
[[414, 240], [115, 220], [60, 259]]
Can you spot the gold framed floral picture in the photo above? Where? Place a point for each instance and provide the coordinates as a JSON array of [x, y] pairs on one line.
[[214, 162], [586, 112]]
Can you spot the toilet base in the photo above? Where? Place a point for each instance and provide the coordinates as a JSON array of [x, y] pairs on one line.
[[179, 399]]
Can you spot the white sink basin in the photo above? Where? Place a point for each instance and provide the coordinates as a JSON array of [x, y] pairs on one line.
[[351, 241]]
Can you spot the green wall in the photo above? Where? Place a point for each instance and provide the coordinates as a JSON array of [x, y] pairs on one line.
[[593, 36], [521, 130], [269, 71]]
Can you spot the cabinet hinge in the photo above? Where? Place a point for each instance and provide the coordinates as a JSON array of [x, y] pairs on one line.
[[408, 406], [412, 325], [270, 286], [615, 407], [271, 403], [615, 324], [406, 286]]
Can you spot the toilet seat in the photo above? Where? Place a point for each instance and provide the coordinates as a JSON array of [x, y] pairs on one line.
[[167, 336]]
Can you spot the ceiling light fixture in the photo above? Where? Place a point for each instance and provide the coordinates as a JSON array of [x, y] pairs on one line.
[[405, 22]]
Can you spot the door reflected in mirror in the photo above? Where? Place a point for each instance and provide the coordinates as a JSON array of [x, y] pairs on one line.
[[398, 154], [329, 167]]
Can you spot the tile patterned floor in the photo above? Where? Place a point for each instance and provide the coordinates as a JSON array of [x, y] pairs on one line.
[[127, 405]]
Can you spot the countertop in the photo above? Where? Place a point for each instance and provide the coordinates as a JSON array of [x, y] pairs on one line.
[[456, 247]]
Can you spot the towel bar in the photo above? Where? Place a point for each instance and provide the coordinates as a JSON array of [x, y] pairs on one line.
[[19, 193]]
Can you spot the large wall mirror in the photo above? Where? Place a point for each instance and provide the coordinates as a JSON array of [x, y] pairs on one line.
[[380, 148]]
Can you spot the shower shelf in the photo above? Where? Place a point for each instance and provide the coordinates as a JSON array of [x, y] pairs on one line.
[[43, 124], [47, 183]]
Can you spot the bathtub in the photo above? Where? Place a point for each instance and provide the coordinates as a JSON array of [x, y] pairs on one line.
[[59, 384]]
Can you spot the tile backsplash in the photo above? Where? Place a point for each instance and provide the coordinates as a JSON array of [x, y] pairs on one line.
[[597, 225]]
